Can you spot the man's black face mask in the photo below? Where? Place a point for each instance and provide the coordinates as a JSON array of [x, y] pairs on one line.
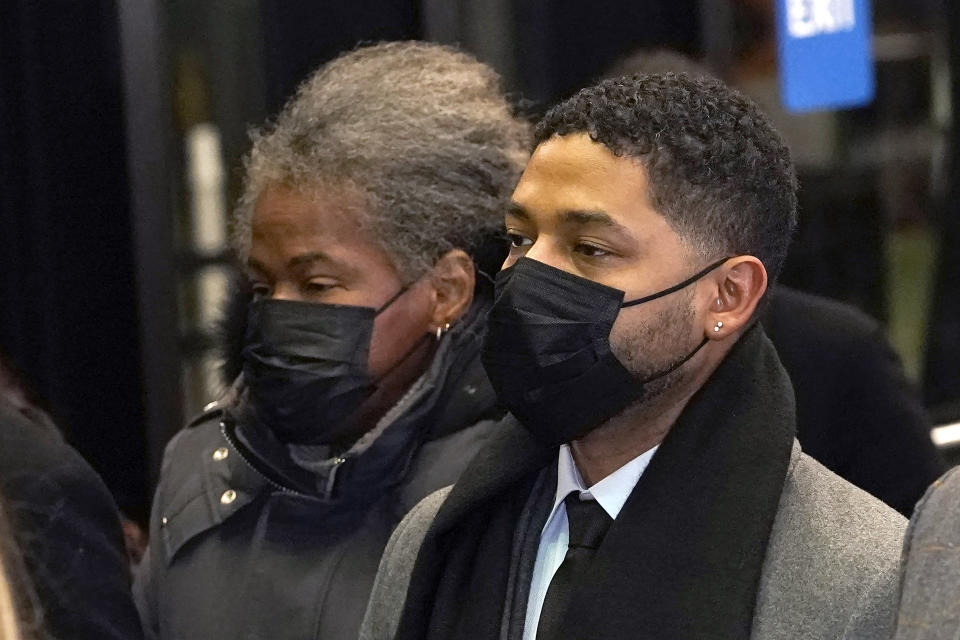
[[306, 367], [547, 350]]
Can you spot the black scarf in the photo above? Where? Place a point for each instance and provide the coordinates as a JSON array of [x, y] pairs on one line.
[[683, 559]]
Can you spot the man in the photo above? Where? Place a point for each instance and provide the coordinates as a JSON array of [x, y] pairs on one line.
[[368, 209], [648, 483]]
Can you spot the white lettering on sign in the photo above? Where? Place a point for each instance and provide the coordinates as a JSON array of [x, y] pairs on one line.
[[808, 18]]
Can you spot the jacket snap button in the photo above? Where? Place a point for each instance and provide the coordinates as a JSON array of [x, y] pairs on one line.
[[221, 454], [228, 496]]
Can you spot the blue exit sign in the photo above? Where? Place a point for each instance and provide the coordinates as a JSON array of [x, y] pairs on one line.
[[824, 54]]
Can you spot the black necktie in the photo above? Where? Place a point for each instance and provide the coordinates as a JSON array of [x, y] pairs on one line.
[[588, 525]]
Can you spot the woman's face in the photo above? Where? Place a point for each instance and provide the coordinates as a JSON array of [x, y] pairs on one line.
[[311, 247]]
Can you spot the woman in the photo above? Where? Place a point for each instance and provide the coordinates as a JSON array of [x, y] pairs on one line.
[[361, 389]]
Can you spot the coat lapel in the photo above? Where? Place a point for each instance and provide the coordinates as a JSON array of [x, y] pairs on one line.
[[458, 584], [512, 455]]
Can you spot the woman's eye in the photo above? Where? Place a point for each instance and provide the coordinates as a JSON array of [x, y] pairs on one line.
[[318, 287], [517, 241], [591, 251], [321, 289]]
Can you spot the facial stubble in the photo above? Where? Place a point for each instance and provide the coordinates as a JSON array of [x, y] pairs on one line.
[[660, 344]]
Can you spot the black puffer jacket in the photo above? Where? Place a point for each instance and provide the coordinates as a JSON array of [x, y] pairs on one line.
[[247, 543]]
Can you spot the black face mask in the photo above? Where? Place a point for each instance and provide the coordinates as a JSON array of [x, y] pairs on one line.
[[547, 350], [305, 365]]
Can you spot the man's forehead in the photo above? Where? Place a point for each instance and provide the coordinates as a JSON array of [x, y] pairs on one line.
[[576, 155], [573, 175]]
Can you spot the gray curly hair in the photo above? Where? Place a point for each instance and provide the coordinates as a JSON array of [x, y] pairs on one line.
[[421, 133]]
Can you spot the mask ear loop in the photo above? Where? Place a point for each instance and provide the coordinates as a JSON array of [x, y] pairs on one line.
[[416, 345], [686, 283], [392, 299], [677, 365], [486, 276]]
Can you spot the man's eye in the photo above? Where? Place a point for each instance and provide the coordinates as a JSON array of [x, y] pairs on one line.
[[517, 241], [591, 251]]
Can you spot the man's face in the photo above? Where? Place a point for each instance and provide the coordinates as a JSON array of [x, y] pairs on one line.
[[312, 248], [582, 209]]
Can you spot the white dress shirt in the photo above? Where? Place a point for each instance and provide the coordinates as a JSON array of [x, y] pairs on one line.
[[611, 493]]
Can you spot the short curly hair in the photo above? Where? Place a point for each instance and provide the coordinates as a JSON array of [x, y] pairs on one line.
[[719, 172], [421, 134]]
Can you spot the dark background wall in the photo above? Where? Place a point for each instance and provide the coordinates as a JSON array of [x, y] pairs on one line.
[[558, 45], [563, 45], [67, 300], [942, 383], [300, 35]]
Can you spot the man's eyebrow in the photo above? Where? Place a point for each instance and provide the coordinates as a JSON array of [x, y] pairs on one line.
[[517, 211], [591, 217]]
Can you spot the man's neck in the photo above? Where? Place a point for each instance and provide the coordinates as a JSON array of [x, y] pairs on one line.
[[620, 440], [640, 428]]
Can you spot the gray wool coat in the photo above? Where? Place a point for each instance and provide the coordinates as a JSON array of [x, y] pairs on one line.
[[831, 570]]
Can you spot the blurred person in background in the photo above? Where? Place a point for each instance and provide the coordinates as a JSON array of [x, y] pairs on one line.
[[931, 565], [65, 524], [857, 413], [371, 209], [19, 614]]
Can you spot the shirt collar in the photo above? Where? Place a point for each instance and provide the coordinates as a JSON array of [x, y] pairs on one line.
[[611, 492]]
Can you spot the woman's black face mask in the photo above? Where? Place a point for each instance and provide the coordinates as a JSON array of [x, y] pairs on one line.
[[306, 369], [547, 350]]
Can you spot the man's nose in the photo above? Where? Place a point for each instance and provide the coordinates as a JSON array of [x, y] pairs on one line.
[[549, 253]]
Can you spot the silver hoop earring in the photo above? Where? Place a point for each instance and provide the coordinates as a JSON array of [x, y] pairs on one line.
[[716, 329]]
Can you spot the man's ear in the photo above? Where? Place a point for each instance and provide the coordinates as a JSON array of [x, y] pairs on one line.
[[453, 279], [740, 284]]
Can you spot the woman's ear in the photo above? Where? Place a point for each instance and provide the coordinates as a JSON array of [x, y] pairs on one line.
[[740, 285], [453, 279]]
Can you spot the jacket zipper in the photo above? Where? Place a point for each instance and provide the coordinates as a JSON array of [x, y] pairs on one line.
[[273, 483], [332, 478]]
